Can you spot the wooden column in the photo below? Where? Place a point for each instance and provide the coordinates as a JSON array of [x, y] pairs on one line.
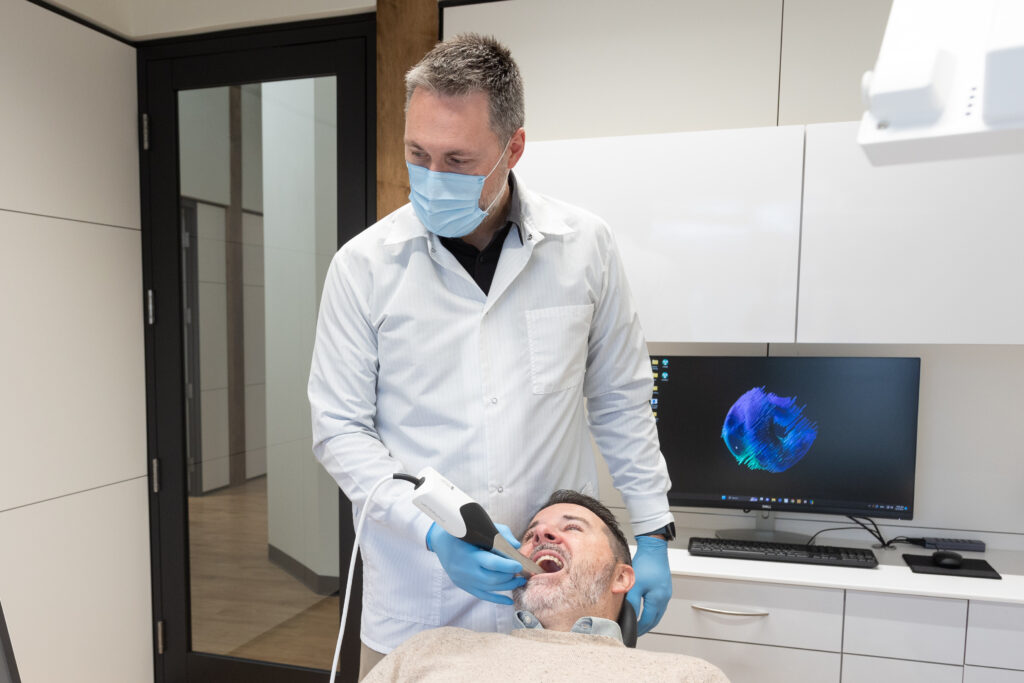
[[406, 30]]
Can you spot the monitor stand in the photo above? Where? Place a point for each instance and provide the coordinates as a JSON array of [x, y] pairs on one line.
[[763, 532]]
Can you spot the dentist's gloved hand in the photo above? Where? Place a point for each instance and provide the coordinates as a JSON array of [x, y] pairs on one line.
[[478, 572], [653, 581]]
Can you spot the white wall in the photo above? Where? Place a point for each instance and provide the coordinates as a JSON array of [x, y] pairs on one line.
[[300, 236], [74, 529]]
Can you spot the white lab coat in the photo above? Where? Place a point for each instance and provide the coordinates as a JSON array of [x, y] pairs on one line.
[[413, 366]]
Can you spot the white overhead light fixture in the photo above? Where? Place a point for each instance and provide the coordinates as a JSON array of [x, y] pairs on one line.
[[948, 83]]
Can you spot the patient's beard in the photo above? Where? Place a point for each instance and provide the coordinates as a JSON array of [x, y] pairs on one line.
[[580, 590]]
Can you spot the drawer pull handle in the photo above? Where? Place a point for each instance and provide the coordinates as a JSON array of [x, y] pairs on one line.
[[729, 612]]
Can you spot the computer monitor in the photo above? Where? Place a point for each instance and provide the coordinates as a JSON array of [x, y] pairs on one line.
[[791, 434]]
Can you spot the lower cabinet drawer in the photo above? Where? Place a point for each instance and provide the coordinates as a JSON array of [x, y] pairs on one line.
[[746, 663], [858, 669], [995, 635], [981, 674], [905, 627], [759, 613]]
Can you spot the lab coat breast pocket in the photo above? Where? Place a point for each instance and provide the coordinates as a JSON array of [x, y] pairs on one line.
[[558, 346]]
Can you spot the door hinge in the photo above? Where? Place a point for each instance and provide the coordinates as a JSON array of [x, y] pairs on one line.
[[150, 307], [154, 471], [145, 131], [160, 637]]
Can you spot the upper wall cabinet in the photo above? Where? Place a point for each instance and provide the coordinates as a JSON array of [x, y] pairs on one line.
[[607, 67], [914, 253], [707, 224]]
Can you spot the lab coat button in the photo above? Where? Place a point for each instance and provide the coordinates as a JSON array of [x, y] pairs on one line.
[[494, 399], [501, 490]]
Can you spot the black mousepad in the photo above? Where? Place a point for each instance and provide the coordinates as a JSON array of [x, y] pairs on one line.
[[979, 569]]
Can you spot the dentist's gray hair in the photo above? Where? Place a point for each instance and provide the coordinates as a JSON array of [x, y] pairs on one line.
[[470, 63]]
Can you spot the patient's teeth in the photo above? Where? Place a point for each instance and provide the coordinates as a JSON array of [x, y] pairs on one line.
[[550, 563]]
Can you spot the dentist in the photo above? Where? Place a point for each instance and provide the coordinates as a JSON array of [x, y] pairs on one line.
[[488, 332]]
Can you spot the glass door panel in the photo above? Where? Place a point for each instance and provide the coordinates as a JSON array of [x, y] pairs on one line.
[[259, 224]]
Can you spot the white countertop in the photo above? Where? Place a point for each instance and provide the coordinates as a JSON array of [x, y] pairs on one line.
[[892, 575]]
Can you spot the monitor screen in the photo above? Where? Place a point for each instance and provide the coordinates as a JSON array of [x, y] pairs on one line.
[[825, 435]]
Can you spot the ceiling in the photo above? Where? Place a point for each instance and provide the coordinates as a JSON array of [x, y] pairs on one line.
[[148, 19]]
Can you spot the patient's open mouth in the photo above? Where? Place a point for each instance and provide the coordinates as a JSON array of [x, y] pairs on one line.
[[549, 562]]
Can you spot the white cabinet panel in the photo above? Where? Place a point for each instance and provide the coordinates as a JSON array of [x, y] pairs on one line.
[[995, 635], [906, 627], [979, 674], [74, 581], [746, 663], [72, 397], [923, 252], [604, 67], [857, 669], [707, 224], [796, 616], [68, 119]]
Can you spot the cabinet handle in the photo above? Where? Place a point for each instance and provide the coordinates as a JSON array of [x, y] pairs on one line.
[[729, 612]]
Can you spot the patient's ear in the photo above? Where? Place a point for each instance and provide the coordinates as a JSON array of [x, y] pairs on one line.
[[623, 579]]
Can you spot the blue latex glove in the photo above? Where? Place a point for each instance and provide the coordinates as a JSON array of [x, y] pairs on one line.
[[478, 572], [653, 581]]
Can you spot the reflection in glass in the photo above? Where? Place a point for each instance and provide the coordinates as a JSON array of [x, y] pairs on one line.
[[259, 227]]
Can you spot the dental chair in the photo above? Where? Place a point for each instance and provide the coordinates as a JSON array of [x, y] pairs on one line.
[[627, 624]]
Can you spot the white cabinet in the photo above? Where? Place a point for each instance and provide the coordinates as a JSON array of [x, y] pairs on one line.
[[708, 224], [911, 253], [786, 616], [978, 674], [890, 637], [748, 663], [860, 669], [995, 636], [754, 632], [905, 627], [764, 632]]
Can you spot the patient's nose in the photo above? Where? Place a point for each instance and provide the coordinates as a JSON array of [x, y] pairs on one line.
[[542, 533]]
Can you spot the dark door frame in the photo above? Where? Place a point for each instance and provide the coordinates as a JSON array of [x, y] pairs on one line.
[[344, 47]]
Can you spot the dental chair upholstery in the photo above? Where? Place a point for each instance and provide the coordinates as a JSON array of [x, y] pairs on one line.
[[627, 624]]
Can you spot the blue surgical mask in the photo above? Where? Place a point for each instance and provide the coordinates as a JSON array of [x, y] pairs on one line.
[[448, 204]]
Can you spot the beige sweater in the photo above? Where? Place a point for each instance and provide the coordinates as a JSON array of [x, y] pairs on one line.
[[453, 655]]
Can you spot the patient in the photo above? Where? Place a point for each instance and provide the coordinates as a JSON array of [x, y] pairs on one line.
[[566, 627]]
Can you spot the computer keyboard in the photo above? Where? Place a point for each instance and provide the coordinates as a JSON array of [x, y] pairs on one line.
[[783, 552]]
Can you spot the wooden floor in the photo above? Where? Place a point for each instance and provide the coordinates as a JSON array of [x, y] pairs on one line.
[[242, 604]]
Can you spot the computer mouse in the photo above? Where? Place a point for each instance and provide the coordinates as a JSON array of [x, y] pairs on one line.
[[947, 558]]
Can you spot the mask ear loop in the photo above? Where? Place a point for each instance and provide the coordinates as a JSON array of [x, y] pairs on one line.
[[497, 196]]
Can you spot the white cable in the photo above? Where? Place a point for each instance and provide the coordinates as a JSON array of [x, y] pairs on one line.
[[351, 569]]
